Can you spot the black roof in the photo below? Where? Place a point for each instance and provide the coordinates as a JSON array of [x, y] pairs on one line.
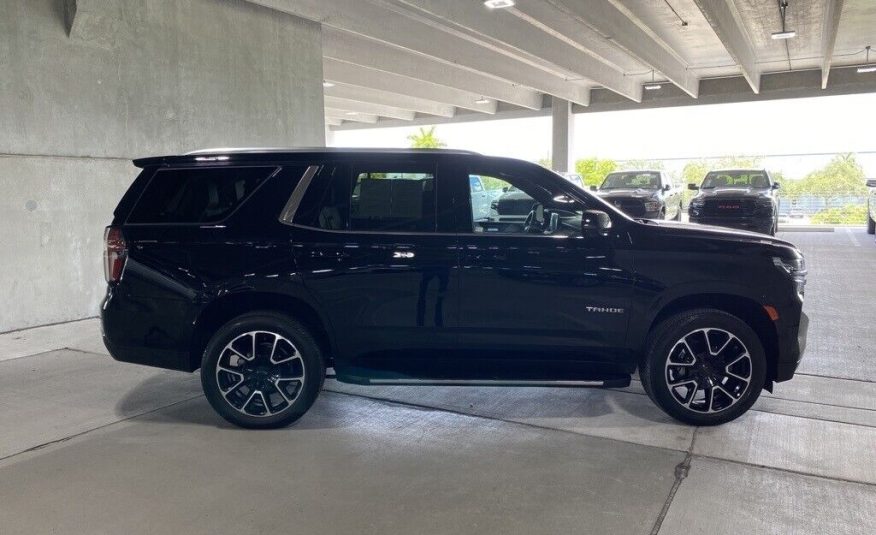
[[273, 154]]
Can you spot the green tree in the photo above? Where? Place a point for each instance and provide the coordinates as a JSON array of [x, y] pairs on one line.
[[593, 170], [425, 139], [843, 174]]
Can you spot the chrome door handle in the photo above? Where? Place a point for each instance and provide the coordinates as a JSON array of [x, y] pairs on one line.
[[403, 254]]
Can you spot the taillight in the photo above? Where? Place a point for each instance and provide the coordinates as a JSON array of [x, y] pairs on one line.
[[115, 254]]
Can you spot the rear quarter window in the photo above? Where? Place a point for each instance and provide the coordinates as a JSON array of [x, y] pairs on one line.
[[197, 195]]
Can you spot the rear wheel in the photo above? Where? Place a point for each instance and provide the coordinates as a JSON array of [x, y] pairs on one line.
[[262, 370], [704, 367], [871, 224]]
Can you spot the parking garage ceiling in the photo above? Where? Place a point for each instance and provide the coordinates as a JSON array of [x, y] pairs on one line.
[[394, 62]]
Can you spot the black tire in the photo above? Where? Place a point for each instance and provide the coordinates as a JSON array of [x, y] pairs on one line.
[[665, 361], [303, 366], [871, 225]]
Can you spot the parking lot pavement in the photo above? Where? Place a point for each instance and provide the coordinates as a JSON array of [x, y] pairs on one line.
[[840, 302], [94, 446]]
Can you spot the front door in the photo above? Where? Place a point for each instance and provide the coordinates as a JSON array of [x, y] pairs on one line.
[[539, 287]]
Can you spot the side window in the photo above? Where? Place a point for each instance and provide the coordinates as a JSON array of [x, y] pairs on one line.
[[514, 205], [393, 200], [197, 195], [326, 204], [474, 183]]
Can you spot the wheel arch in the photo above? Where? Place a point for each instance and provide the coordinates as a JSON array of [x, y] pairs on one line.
[[223, 309], [743, 307]]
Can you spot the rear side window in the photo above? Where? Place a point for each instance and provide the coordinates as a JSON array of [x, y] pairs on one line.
[[199, 195], [393, 200]]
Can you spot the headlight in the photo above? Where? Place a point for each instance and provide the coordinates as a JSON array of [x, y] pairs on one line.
[[652, 206], [796, 268], [697, 203]]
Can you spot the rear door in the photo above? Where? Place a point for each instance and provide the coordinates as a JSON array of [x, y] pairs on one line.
[[368, 245]]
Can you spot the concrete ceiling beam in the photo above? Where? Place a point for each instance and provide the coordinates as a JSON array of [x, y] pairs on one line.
[[733, 36], [829, 27]]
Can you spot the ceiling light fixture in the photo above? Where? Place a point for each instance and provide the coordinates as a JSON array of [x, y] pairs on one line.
[[483, 100], [652, 85], [785, 33], [869, 67], [327, 84], [498, 4]]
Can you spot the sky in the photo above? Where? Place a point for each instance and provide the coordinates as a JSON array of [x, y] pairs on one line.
[[819, 127]]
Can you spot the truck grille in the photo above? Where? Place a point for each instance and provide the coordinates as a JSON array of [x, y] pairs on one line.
[[728, 207], [631, 207], [514, 206]]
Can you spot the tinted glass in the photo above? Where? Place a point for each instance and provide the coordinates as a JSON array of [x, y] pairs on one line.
[[326, 204], [204, 195], [736, 179], [393, 200], [631, 180], [514, 205]]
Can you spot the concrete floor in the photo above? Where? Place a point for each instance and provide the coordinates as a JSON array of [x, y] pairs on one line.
[[94, 446]]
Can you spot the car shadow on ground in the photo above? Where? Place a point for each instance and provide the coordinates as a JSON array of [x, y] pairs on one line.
[[174, 398]]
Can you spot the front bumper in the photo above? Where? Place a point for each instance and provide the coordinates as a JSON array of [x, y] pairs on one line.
[[792, 344], [761, 225]]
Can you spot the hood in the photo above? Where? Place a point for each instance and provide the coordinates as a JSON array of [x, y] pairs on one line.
[[513, 195], [734, 193], [628, 193], [679, 229]]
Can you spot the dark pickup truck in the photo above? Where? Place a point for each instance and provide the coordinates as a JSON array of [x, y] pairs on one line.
[[645, 194], [744, 199], [264, 268]]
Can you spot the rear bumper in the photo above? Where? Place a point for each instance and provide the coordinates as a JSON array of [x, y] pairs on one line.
[[149, 332], [792, 344]]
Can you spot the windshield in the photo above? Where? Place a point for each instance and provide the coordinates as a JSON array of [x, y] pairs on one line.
[[632, 180], [736, 179]]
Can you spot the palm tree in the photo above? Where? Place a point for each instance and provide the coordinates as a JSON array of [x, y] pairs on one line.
[[425, 139]]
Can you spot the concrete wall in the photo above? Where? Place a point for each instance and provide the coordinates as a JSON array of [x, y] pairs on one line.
[[86, 85]]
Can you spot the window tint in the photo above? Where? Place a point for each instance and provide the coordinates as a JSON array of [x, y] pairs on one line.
[[204, 195], [631, 180], [735, 179], [326, 204], [393, 200], [513, 205]]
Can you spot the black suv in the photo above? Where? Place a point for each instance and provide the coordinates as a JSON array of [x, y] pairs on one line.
[[263, 268], [738, 198]]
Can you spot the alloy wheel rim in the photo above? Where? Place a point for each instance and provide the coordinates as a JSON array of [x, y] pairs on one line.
[[708, 370], [260, 373]]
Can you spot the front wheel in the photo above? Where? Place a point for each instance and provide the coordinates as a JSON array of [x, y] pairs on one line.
[[262, 370], [871, 224], [704, 367]]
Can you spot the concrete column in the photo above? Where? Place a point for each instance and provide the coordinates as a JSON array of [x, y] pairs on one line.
[[122, 80], [562, 130]]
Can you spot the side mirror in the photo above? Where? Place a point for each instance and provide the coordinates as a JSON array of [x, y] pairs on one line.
[[693, 187], [871, 182], [595, 222], [594, 188], [776, 185], [667, 187]]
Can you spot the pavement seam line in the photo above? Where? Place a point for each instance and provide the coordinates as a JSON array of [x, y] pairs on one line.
[[55, 324], [87, 431], [681, 472], [837, 378], [576, 433]]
